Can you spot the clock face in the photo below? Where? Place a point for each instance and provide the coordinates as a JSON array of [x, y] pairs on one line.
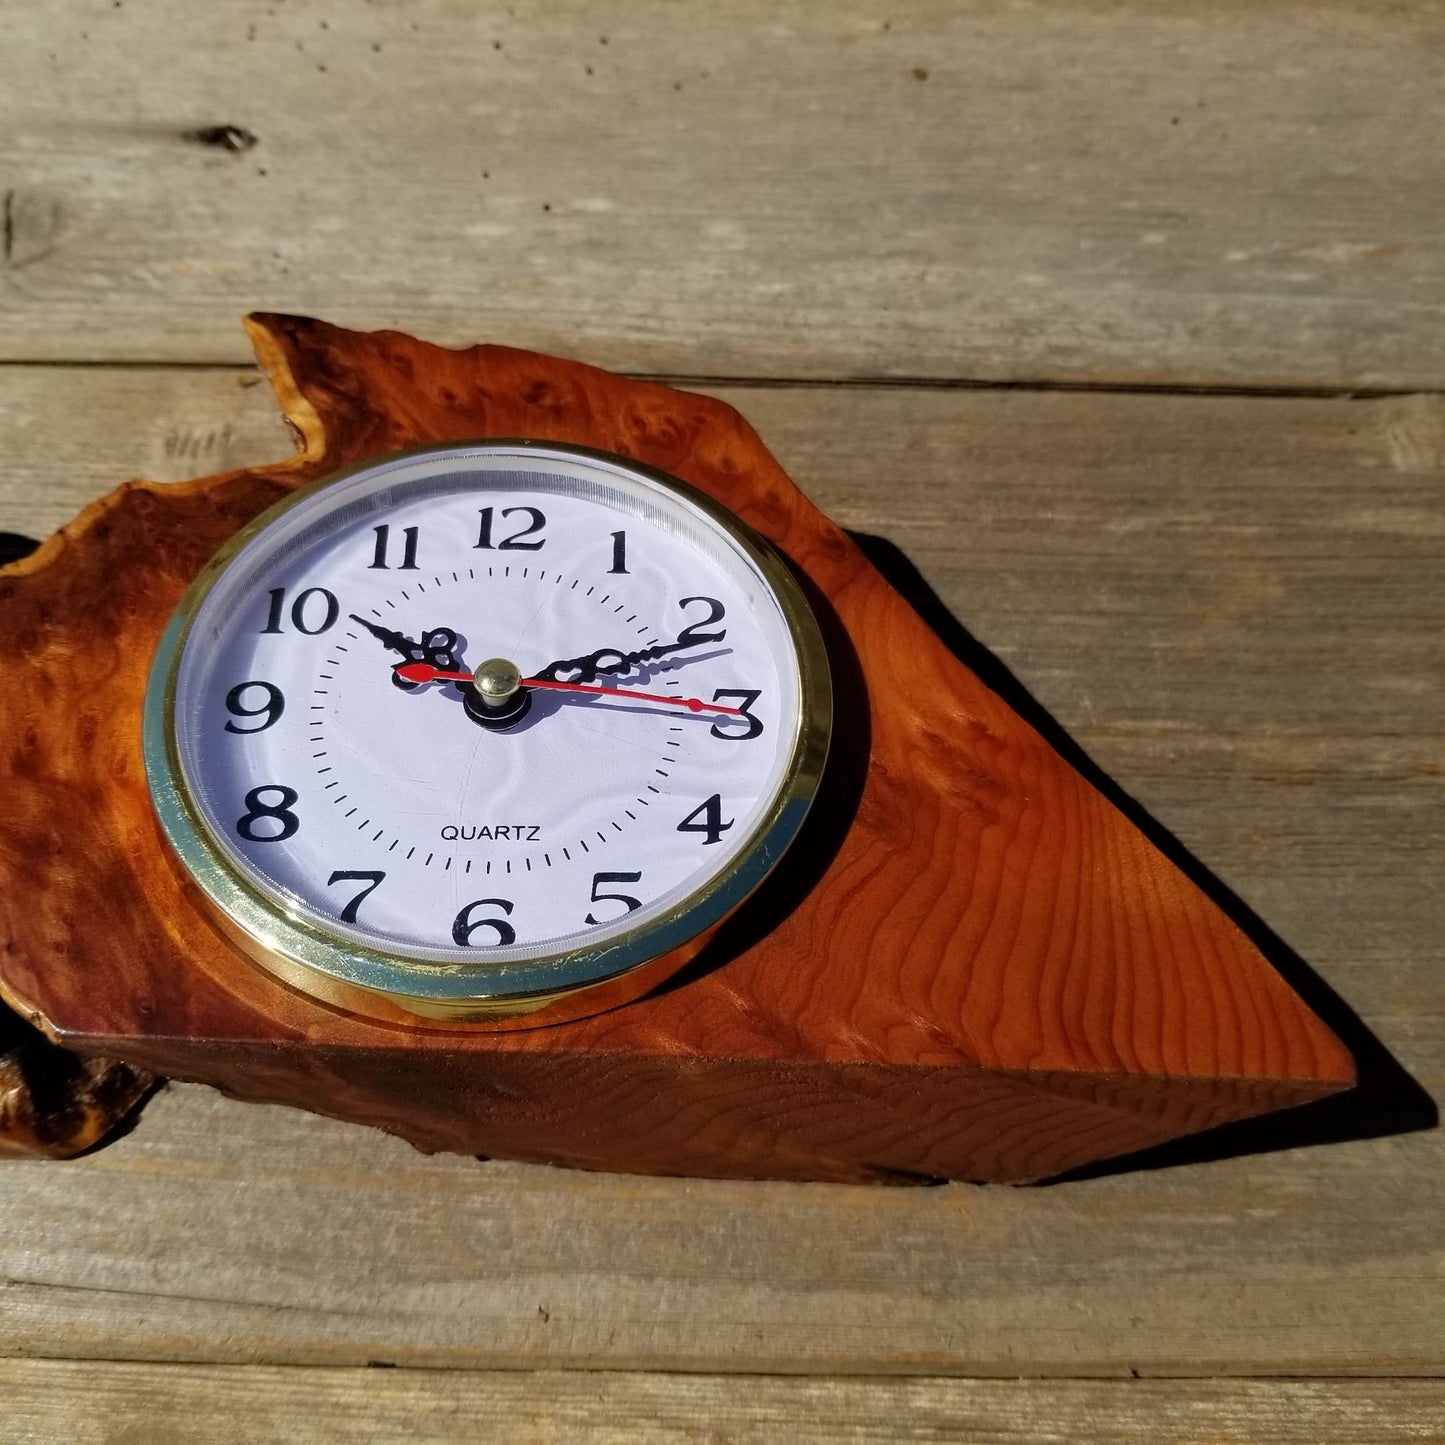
[[487, 721]]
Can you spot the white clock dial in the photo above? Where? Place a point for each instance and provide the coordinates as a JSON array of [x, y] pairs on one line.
[[649, 706]]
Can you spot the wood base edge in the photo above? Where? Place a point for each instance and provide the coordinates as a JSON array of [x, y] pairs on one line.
[[800, 1120]]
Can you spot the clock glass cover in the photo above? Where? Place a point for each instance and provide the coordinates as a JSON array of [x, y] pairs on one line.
[[473, 727]]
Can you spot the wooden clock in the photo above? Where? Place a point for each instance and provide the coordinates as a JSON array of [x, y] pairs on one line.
[[673, 840]]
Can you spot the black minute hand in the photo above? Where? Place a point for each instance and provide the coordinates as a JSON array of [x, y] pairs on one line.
[[609, 662]]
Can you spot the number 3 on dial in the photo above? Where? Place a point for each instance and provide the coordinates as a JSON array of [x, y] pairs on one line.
[[746, 697]]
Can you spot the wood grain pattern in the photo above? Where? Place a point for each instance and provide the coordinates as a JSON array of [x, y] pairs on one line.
[[994, 976], [195, 1405], [1082, 192]]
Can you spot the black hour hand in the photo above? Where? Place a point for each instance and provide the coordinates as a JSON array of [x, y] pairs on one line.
[[438, 646], [396, 641]]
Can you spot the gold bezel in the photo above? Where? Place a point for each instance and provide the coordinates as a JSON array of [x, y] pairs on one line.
[[376, 984]]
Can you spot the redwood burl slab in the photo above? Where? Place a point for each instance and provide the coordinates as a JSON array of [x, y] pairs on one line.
[[972, 965]]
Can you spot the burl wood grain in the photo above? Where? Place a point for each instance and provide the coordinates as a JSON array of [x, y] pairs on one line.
[[971, 965]]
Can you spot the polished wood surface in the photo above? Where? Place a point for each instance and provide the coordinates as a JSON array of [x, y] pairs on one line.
[[971, 965]]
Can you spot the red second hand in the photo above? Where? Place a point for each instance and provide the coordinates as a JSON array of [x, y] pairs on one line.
[[425, 672]]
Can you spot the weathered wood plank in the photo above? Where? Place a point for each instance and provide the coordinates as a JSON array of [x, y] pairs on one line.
[[239, 1233], [1234, 605], [95, 1404], [1249, 196]]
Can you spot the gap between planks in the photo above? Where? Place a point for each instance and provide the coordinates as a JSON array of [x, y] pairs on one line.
[[700, 380], [1119, 1377]]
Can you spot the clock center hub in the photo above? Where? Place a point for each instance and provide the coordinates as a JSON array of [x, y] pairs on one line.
[[496, 698], [497, 679]]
